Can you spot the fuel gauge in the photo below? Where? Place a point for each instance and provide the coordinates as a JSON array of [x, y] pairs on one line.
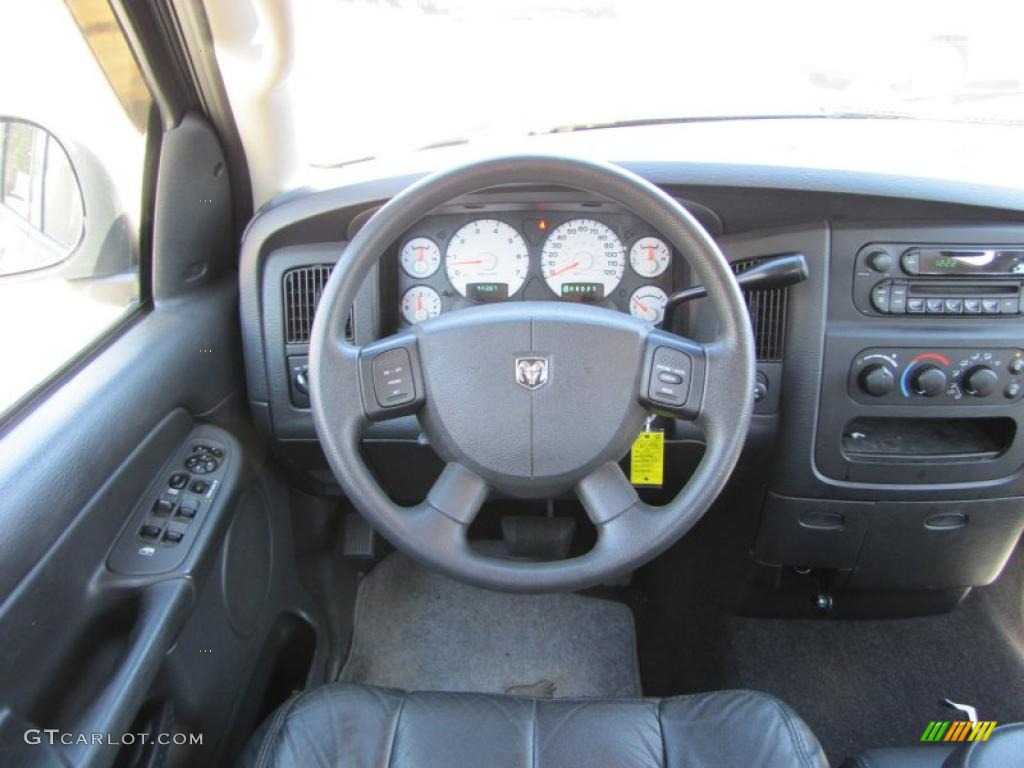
[[648, 303]]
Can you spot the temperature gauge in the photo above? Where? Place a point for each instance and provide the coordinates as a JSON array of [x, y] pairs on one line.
[[419, 303], [420, 257], [649, 256], [648, 303]]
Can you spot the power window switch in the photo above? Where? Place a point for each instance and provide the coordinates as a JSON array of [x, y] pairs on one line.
[[162, 507], [150, 531], [186, 511], [172, 536]]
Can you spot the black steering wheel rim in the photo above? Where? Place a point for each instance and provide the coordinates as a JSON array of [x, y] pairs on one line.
[[434, 532]]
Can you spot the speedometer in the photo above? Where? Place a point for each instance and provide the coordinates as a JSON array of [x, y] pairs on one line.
[[583, 256], [487, 259]]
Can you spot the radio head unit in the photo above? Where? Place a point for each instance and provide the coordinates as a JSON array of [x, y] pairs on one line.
[[910, 279], [988, 262]]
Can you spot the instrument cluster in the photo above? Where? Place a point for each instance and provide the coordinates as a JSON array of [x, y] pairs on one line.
[[612, 259]]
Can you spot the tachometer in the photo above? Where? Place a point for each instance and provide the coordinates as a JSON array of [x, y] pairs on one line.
[[487, 252], [648, 303], [420, 257], [419, 303], [649, 256], [583, 252]]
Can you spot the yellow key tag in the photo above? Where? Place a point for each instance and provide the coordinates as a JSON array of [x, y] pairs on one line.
[[647, 459]]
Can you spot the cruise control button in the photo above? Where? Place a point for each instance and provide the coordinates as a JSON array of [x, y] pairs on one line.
[[392, 378], [670, 376]]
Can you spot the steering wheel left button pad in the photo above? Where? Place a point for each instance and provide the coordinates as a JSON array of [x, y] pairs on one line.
[[392, 378]]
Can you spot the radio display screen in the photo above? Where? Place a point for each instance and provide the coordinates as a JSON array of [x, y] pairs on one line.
[[971, 262]]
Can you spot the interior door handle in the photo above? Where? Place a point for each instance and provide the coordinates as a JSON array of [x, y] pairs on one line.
[[164, 608]]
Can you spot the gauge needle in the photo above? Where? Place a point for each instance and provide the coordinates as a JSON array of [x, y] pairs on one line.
[[463, 263], [566, 268], [419, 302], [420, 251], [643, 307]]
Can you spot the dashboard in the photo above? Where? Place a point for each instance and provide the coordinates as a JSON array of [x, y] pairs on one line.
[[587, 252], [886, 445]]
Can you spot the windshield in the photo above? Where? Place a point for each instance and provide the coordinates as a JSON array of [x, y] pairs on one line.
[[362, 78]]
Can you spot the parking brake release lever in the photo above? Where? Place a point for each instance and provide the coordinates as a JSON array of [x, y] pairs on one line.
[[773, 272]]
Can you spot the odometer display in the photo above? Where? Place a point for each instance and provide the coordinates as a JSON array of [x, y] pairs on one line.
[[583, 251]]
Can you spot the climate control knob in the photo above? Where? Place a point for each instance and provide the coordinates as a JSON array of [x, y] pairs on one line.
[[877, 380], [929, 380], [981, 381]]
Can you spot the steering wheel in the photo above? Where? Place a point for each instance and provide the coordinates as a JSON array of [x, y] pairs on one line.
[[532, 398]]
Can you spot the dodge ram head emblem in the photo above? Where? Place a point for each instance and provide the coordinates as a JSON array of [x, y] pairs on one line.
[[532, 372]]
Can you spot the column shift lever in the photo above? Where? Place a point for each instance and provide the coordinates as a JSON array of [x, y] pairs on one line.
[[774, 272]]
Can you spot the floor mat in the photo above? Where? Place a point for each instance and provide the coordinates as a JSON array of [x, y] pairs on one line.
[[418, 630], [858, 684]]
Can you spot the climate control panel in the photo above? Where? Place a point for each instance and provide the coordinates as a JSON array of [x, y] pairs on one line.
[[937, 376]]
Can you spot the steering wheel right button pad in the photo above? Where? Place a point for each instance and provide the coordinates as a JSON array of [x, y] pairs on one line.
[[671, 371]]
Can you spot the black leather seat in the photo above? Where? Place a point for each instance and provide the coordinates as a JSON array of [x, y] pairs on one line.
[[342, 725]]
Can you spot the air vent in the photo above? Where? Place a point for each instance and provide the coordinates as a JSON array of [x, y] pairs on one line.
[[767, 310], [302, 290]]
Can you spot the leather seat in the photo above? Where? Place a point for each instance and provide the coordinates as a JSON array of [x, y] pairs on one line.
[[341, 725]]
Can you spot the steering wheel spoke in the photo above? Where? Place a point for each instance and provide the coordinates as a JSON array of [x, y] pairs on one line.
[[391, 377], [673, 377], [606, 493], [458, 494]]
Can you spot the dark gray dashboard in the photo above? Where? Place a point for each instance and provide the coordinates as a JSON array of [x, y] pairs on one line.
[[830, 504]]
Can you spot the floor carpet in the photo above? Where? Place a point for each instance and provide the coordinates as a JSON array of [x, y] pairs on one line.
[[418, 630]]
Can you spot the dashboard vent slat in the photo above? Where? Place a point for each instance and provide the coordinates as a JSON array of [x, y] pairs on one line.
[[303, 288], [767, 309]]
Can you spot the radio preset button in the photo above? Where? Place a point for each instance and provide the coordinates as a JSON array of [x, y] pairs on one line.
[[972, 306], [915, 306], [953, 306], [1009, 306], [935, 306], [911, 261], [880, 297]]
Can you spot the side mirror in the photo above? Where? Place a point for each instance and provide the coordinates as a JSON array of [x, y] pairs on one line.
[[42, 210]]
